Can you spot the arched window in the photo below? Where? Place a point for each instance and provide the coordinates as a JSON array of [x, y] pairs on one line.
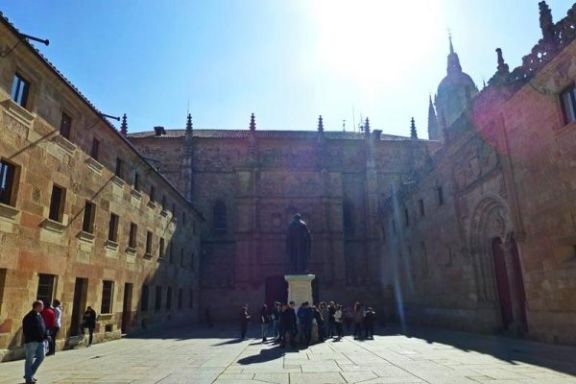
[[347, 220], [219, 221]]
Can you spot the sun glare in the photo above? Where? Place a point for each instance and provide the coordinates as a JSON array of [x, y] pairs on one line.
[[375, 42]]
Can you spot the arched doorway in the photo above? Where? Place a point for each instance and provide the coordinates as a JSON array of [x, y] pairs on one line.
[[497, 264]]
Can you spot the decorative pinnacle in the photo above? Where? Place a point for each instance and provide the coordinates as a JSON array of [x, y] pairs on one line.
[[546, 22], [450, 41], [413, 132], [367, 126], [124, 125], [252, 122], [502, 66], [189, 126], [320, 124]]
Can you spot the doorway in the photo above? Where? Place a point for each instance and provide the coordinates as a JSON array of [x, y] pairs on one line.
[[276, 290], [502, 283], [78, 304], [127, 307]]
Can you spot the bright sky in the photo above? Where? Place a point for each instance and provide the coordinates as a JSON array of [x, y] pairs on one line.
[[287, 61]]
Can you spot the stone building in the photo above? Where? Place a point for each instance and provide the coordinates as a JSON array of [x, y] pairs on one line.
[[482, 236], [83, 217], [248, 184]]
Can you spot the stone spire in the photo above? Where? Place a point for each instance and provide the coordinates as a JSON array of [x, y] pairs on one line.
[[433, 131], [320, 124], [189, 126], [453, 59], [546, 22], [501, 77], [502, 66], [124, 125], [252, 123], [413, 132]]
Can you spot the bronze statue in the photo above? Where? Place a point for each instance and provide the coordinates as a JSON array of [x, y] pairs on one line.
[[298, 245]]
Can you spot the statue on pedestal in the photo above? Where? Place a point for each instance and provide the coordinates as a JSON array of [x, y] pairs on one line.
[[298, 246]]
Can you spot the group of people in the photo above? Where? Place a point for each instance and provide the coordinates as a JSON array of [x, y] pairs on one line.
[[40, 327], [290, 326]]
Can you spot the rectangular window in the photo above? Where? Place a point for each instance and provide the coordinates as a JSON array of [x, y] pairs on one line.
[[119, 168], [20, 90], [8, 183], [568, 99], [133, 234], [46, 284], [440, 194], [144, 298], [2, 285], [152, 193], [158, 301], [179, 298], [169, 298], [65, 125], [149, 243], [57, 203], [136, 181], [191, 299], [107, 294], [89, 215], [161, 250], [95, 151], [421, 206], [113, 228]]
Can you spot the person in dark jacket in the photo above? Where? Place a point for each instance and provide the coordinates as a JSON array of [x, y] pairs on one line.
[[89, 321], [35, 336], [305, 317], [288, 325], [244, 317], [319, 323], [265, 321], [369, 323], [275, 317]]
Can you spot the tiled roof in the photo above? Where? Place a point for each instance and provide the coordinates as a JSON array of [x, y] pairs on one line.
[[237, 134]]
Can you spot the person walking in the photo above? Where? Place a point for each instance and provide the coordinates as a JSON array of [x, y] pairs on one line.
[[305, 317], [369, 323], [338, 318], [358, 320], [89, 321], [244, 318], [34, 330], [57, 308], [265, 321]]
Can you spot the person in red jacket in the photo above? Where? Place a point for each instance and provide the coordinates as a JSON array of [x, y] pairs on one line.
[[50, 320]]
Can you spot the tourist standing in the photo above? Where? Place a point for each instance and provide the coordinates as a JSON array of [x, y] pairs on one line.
[[331, 324], [275, 317], [244, 318], [57, 307], [305, 317], [265, 321], [319, 322], [34, 330], [358, 320], [369, 323], [89, 321], [338, 318], [50, 322], [288, 325]]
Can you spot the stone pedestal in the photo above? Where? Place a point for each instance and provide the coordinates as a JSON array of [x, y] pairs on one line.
[[300, 288]]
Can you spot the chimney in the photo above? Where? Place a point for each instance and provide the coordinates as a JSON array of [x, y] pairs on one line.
[[159, 130]]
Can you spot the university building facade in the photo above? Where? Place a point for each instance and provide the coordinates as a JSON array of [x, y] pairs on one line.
[[472, 229], [83, 217]]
